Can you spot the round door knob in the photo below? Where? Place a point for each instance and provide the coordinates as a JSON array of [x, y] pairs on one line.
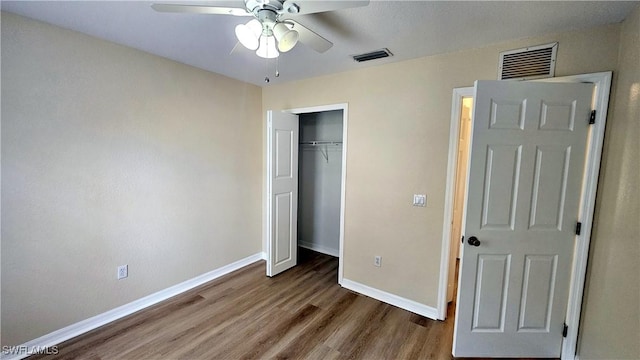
[[473, 241]]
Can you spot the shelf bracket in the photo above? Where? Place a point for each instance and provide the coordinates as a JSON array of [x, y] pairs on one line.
[[325, 153]]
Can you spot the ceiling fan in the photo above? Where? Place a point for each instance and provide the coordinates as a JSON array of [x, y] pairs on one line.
[[271, 30]]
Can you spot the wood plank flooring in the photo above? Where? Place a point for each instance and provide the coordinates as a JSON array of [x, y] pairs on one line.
[[300, 314]]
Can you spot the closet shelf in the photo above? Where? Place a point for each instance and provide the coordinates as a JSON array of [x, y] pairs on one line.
[[316, 143], [323, 146]]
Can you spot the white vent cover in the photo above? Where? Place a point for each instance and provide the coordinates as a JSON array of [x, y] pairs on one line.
[[528, 63]]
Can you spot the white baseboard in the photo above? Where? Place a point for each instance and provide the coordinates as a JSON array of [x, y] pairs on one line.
[[319, 248], [395, 300], [89, 324]]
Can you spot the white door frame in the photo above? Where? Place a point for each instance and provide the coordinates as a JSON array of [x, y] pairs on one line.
[[265, 208], [454, 137], [602, 82]]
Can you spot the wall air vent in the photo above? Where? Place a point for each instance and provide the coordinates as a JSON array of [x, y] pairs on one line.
[[534, 62], [378, 54]]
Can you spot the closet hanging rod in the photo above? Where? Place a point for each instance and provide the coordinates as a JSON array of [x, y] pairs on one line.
[[321, 143]]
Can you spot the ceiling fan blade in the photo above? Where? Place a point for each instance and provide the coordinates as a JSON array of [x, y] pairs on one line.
[[196, 9], [315, 6], [310, 38]]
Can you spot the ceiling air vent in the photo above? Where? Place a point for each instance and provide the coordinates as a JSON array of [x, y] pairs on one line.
[[529, 63], [378, 54]]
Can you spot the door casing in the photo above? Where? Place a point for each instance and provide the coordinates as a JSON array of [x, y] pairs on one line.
[[450, 191], [265, 203], [600, 103]]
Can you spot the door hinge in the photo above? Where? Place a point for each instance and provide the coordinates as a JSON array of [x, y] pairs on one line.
[[565, 329], [592, 118], [578, 228], [462, 240]]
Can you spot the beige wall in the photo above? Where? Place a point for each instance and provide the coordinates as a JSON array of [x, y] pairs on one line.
[[399, 116], [113, 156], [611, 312]]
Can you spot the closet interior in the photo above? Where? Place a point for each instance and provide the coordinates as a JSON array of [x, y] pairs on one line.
[[320, 181]]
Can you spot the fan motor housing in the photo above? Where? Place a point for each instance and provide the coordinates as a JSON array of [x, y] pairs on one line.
[[279, 7], [255, 6]]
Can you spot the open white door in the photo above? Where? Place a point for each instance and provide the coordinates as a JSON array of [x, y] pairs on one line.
[[525, 177], [282, 185]]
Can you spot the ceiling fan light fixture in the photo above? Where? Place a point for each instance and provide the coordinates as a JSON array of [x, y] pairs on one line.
[[248, 34], [286, 37], [267, 48]]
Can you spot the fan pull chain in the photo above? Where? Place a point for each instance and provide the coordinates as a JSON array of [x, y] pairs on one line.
[[266, 65]]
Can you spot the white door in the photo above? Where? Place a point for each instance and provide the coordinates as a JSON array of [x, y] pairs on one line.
[[282, 185], [526, 169]]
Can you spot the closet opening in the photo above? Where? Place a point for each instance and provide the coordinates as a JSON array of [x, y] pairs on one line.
[[320, 181], [306, 152]]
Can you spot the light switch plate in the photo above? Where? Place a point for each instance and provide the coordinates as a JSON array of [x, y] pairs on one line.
[[419, 200]]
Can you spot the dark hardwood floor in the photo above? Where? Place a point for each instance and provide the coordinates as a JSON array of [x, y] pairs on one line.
[[300, 314]]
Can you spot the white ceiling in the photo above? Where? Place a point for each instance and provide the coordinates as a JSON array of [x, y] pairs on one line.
[[409, 29]]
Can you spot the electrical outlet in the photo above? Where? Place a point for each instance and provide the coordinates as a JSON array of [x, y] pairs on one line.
[[377, 261], [123, 271]]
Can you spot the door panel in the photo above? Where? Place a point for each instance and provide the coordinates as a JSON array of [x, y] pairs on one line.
[[283, 239], [284, 153], [557, 116], [525, 177], [501, 187], [537, 293], [549, 187], [491, 293], [507, 114], [282, 145]]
